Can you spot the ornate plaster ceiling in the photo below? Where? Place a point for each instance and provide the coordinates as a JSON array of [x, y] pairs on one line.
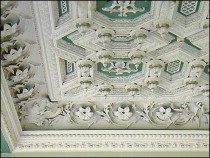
[[106, 64]]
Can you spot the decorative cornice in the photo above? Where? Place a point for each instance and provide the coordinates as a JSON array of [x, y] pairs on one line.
[[138, 140], [10, 124]]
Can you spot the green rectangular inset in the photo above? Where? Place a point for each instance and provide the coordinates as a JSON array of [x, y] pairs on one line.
[[63, 7], [69, 67]]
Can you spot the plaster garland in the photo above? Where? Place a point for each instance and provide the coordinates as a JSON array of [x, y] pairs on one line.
[[120, 114]]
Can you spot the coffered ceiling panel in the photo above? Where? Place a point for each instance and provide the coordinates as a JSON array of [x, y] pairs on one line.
[[107, 64], [123, 10]]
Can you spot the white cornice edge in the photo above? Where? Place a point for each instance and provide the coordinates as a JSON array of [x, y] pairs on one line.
[[114, 140], [10, 125]]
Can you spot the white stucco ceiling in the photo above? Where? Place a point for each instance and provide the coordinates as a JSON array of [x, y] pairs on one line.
[[105, 76]]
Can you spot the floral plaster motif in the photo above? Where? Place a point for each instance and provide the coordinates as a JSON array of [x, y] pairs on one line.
[[164, 113], [84, 113], [123, 113]]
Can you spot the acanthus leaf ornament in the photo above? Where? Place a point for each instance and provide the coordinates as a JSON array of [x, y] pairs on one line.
[[86, 82], [5, 5], [105, 35], [105, 57], [155, 68], [122, 114], [136, 57], [104, 114], [191, 82], [205, 90], [105, 89], [132, 89], [196, 69], [139, 36], [42, 112], [85, 73], [10, 24], [162, 26], [83, 25]]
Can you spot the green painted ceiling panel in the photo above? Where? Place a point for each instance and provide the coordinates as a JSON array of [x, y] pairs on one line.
[[187, 41], [190, 7], [100, 68], [115, 15], [69, 67], [174, 67], [65, 38], [63, 7], [4, 145]]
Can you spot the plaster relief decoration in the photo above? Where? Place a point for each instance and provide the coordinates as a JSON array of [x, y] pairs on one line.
[[197, 68], [105, 89], [188, 7], [64, 7], [154, 71], [123, 7], [97, 70], [139, 36], [127, 115], [105, 57], [105, 35], [120, 67], [174, 67], [136, 57], [82, 16], [123, 68], [162, 26], [85, 73], [132, 89]]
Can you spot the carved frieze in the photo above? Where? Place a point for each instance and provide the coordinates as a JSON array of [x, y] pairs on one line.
[[115, 56]]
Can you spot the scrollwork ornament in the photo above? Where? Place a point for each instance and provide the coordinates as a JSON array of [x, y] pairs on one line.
[[81, 114], [120, 114]]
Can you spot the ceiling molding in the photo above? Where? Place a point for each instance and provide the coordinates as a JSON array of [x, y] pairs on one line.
[[36, 96]]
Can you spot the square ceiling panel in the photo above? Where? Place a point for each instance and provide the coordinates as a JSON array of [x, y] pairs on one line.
[[104, 65]]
